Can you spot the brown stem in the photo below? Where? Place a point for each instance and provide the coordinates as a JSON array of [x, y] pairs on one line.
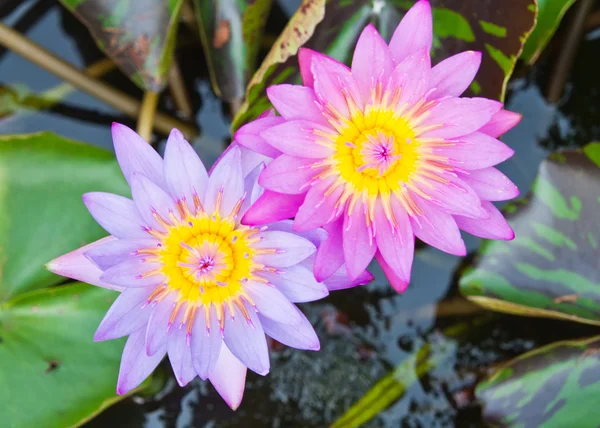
[[31, 51], [147, 114], [178, 92]]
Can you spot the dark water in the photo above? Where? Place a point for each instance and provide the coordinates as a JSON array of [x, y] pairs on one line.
[[366, 332]]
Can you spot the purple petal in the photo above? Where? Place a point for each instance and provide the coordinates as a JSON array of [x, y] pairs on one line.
[[372, 61], [248, 136], [490, 184], [206, 343], [135, 364], [289, 174], [297, 283], [301, 335], [252, 189], [501, 122], [316, 236], [136, 156], [271, 303], [330, 254], [476, 151], [359, 246], [271, 207], [127, 314], [246, 340], [180, 354], [116, 251], [229, 378], [116, 214], [296, 102], [134, 272], [452, 77], [398, 283], [159, 323], [227, 178], [305, 57], [414, 32], [340, 281], [453, 197], [437, 228], [411, 77], [250, 159], [493, 227], [185, 174], [318, 209], [77, 266], [297, 138], [290, 249], [151, 201]]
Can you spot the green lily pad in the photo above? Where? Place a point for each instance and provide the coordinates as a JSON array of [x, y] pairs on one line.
[[42, 178], [498, 31], [554, 386], [550, 14], [53, 374], [551, 268], [231, 31], [139, 36]]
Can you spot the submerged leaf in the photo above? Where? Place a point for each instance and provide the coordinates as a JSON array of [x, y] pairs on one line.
[[551, 268], [139, 36], [553, 386]]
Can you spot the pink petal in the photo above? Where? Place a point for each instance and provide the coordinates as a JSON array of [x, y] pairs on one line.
[[501, 122], [185, 174], [490, 184], [452, 77], [414, 32], [453, 197], [227, 178], [411, 77], [359, 246], [493, 227], [289, 174], [271, 207], [317, 208], [454, 117], [437, 228], [271, 303], [135, 364], [297, 138], [77, 266], [398, 283], [116, 214], [297, 283], [475, 151], [159, 323], [229, 378], [396, 244], [206, 343], [290, 248], [246, 340], [180, 354], [301, 335], [305, 57], [116, 251], [151, 200], [340, 280], [296, 102], [330, 254], [371, 62], [136, 156], [127, 314], [248, 136]]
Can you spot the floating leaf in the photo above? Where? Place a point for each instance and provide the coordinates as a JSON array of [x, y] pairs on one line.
[[554, 386], [42, 178], [54, 374], [498, 31], [231, 31], [139, 36], [550, 14], [551, 268]]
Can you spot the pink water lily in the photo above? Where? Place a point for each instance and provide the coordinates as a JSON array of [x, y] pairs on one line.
[[195, 283], [384, 151]]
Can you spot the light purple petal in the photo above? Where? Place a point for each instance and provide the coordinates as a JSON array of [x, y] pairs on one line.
[[134, 272], [452, 76], [289, 174], [501, 122], [77, 266], [475, 151], [248, 136], [116, 251], [454, 117], [246, 340], [411, 77], [493, 227], [159, 323], [297, 138], [290, 248], [226, 177], [296, 102], [490, 184], [185, 175], [330, 254], [250, 159], [180, 354], [271, 207], [301, 335], [229, 378], [252, 189], [135, 364], [437, 228], [359, 246], [136, 156], [397, 282], [206, 343], [116, 214], [316, 236], [297, 283], [371, 62], [340, 281], [127, 314], [317, 208], [305, 57], [271, 303], [151, 200], [414, 32]]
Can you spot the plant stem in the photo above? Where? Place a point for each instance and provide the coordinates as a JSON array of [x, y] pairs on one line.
[[178, 92], [41, 57], [147, 113]]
